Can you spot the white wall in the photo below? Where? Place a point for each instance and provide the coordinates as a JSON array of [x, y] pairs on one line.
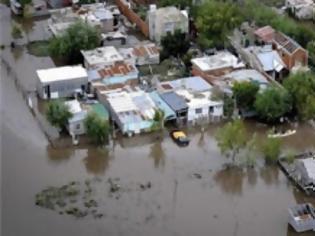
[[205, 113]]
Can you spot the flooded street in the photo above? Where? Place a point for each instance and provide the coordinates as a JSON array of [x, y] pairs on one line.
[[221, 202]]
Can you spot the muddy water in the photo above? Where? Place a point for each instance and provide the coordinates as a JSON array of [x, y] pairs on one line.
[[246, 203]]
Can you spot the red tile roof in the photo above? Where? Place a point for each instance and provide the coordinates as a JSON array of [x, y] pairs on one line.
[[119, 68], [265, 33], [145, 50], [269, 35]]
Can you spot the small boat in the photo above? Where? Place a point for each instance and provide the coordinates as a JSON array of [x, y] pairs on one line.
[[179, 137], [282, 134], [302, 217]]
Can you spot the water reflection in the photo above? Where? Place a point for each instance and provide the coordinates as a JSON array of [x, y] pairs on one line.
[[230, 180], [252, 176], [59, 155], [157, 154], [270, 175], [97, 160]]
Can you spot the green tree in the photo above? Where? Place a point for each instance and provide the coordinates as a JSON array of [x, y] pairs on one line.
[[79, 36], [311, 54], [231, 138], [16, 31], [97, 128], [251, 151], [273, 103], [58, 113], [215, 20], [271, 149], [245, 94], [228, 106], [256, 11], [158, 120], [176, 44], [301, 86], [290, 156]]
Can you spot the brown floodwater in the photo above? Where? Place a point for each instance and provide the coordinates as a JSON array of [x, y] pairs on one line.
[[222, 202]]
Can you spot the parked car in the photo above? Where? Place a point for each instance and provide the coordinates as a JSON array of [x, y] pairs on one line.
[[179, 137]]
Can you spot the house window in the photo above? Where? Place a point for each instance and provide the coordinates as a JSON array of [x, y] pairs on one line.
[[77, 126], [211, 109], [198, 110], [169, 27]]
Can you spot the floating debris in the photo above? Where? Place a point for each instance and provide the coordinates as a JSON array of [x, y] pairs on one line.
[[114, 187], [197, 175], [76, 198]]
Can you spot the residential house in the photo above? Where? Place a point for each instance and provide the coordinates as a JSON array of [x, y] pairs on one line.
[[115, 38], [145, 53], [178, 104], [197, 95], [301, 9], [116, 73], [225, 83], [166, 20], [267, 60], [291, 53], [99, 57], [76, 122], [61, 82], [306, 168], [169, 114], [79, 112], [215, 66], [131, 109], [97, 15]]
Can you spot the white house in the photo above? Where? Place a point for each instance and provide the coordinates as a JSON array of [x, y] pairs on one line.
[[102, 56], [197, 94], [301, 9], [143, 54], [267, 60], [166, 19], [76, 122], [132, 110], [61, 82]]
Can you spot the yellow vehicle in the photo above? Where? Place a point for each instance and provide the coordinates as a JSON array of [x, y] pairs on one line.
[[179, 137]]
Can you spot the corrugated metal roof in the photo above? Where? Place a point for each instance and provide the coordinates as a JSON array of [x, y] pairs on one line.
[[271, 61], [175, 101], [169, 113], [195, 83]]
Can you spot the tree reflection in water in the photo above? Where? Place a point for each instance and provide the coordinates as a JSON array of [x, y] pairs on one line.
[[230, 180], [59, 155], [97, 160], [158, 154], [270, 175]]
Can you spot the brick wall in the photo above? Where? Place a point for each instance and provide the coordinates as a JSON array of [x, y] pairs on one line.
[[133, 17], [291, 60]]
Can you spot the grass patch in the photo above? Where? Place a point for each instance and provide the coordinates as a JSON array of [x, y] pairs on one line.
[[39, 48]]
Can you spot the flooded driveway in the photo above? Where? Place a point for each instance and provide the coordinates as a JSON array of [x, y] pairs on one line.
[[235, 202]]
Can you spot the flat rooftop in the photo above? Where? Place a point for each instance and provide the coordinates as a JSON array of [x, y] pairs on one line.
[[61, 73], [220, 60], [102, 55], [194, 83]]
